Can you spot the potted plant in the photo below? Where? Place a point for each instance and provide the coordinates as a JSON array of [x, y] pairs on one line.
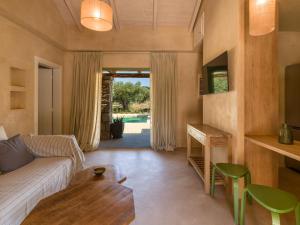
[[117, 128]]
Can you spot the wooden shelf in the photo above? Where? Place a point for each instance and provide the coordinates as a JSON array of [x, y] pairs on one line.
[[271, 143], [17, 88], [198, 163]]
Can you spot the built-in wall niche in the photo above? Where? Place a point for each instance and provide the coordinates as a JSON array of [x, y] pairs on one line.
[[17, 100], [17, 88]]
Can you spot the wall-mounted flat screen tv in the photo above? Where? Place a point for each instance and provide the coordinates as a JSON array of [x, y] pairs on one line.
[[214, 77]]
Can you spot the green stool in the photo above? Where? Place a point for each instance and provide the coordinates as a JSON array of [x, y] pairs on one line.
[[235, 172], [273, 199]]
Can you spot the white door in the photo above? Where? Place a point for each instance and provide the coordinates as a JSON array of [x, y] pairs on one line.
[[45, 101]]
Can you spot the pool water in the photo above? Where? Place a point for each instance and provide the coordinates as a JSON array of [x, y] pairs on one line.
[[140, 119]]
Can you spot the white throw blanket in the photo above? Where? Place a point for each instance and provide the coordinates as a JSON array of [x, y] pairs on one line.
[[56, 146], [22, 189]]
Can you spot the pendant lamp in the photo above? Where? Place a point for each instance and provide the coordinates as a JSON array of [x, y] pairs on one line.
[[96, 15], [262, 16]]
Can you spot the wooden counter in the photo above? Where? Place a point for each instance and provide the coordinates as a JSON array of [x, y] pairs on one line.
[[264, 156], [271, 143]]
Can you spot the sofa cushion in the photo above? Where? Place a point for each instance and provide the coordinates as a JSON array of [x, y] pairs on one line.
[[3, 135], [22, 189], [14, 154]]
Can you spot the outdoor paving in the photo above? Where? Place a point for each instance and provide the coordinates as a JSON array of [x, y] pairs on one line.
[[136, 135]]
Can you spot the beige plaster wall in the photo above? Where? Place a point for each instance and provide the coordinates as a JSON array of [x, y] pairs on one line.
[[189, 103], [189, 107], [38, 16], [19, 43], [224, 32], [126, 60], [131, 40], [288, 48]]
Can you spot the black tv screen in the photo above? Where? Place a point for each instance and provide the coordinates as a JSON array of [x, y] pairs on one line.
[[215, 76]]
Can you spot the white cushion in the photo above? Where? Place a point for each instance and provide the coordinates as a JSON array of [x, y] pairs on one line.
[[3, 135]]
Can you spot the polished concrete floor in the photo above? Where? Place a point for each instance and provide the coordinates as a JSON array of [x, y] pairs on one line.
[[167, 191], [136, 135], [129, 140]]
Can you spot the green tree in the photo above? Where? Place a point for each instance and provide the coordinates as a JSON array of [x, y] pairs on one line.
[[128, 93]]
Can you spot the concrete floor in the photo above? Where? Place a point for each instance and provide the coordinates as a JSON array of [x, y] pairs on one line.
[[129, 140], [167, 191], [136, 135]]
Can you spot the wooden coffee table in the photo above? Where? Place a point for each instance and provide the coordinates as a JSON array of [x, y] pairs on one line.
[[89, 200], [112, 174]]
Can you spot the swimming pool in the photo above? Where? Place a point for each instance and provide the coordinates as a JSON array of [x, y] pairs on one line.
[[136, 119]]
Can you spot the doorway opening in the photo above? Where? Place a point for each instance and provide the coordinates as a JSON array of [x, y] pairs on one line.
[[125, 107], [48, 98]]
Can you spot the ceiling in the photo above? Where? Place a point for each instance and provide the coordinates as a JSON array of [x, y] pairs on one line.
[[139, 13], [289, 15], [154, 14]]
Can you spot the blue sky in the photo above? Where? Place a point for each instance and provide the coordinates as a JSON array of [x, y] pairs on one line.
[[144, 81]]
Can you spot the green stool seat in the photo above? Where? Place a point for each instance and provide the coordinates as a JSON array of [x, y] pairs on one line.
[[235, 172], [232, 170], [273, 199]]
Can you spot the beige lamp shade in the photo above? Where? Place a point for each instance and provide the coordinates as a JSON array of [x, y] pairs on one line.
[[262, 16], [96, 15]]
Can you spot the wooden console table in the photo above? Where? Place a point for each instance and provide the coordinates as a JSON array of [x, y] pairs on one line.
[[209, 137]]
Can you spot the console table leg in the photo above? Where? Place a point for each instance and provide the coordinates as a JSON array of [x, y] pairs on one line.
[[189, 146], [207, 166]]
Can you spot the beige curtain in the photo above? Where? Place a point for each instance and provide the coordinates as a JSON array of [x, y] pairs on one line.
[[86, 100], [163, 66]]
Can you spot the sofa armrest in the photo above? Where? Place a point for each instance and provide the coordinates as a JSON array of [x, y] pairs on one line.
[[56, 146]]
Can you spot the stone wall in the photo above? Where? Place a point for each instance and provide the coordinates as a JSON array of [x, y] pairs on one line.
[[106, 108]]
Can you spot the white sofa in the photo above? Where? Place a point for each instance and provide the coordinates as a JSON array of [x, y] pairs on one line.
[[58, 158]]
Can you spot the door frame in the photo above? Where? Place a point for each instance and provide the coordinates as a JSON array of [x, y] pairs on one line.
[[58, 71]]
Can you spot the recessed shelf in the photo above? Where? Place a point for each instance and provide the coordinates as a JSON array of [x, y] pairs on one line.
[[17, 100], [17, 88], [17, 77]]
